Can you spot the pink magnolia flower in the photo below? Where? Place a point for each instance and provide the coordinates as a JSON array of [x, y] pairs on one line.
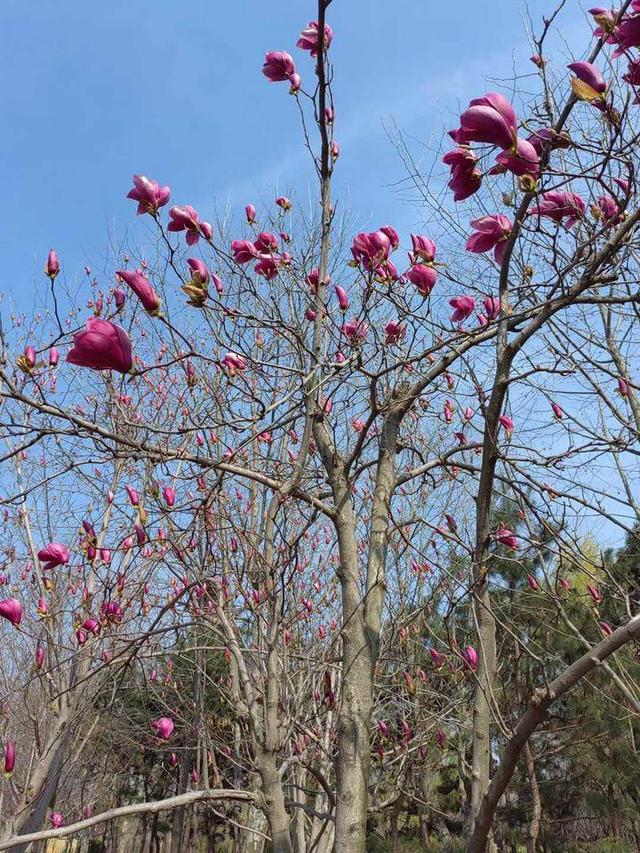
[[533, 583], [452, 524], [112, 611], [470, 656], [490, 119], [343, 299], [52, 267], [243, 251], [142, 288], [9, 757], [102, 346], [163, 727], [149, 194], [185, 218], [386, 272], [371, 250], [627, 34], [268, 268], [491, 306], [606, 20], [54, 357], [134, 497], [234, 363], [465, 176], [199, 270], [56, 820], [250, 213], [623, 387], [394, 331], [507, 537], [266, 242], [279, 66], [493, 233], [423, 277], [437, 657], [169, 496], [423, 249], [284, 203], [587, 73], [120, 297], [522, 159], [92, 625], [53, 555], [507, 423], [309, 38], [11, 609], [392, 234], [558, 205], [27, 360], [595, 593], [355, 330], [463, 306], [313, 280], [557, 411], [606, 629], [39, 657], [546, 139], [608, 209]]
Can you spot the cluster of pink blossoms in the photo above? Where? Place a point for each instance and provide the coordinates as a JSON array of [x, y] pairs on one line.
[[279, 65], [265, 250], [490, 119]]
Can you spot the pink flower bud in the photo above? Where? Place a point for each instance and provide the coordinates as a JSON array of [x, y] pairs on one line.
[[142, 288], [52, 267], [133, 496], [471, 657], [120, 297], [343, 299], [9, 757]]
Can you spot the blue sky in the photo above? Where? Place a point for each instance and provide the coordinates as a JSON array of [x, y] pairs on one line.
[[94, 92]]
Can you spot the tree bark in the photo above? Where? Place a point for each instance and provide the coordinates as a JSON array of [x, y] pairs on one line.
[[274, 804]]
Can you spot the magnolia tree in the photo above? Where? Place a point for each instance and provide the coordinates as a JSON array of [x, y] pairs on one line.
[[291, 515]]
